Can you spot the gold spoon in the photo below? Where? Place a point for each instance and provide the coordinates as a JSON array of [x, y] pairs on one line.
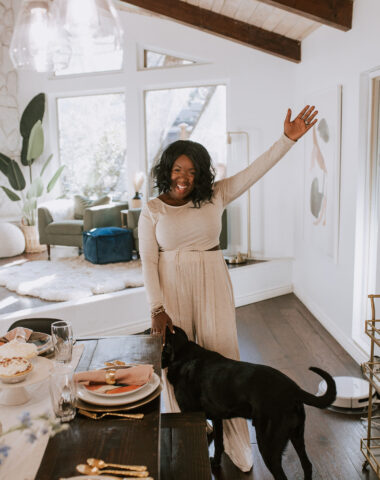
[[98, 463], [87, 470]]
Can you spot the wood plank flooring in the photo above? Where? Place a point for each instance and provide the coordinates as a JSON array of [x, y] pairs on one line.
[[282, 333]]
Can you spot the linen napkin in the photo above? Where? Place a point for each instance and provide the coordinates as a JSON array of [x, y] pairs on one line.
[[21, 333], [137, 375]]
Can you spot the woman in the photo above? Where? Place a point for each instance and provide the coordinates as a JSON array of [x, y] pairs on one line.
[[185, 275]]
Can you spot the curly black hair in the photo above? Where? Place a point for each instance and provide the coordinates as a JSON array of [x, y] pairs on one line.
[[204, 171]]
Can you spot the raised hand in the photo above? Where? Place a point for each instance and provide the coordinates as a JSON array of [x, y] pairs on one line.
[[301, 124]]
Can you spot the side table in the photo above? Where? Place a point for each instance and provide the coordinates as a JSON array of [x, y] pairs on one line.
[[123, 215]]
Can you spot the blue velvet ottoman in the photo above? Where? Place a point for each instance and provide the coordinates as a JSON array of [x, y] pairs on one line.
[[108, 245]]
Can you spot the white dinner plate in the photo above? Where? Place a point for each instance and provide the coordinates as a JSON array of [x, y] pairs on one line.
[[130, 397], [114, 395]]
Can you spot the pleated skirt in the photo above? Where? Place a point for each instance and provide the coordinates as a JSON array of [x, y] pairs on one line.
[[198, 297]]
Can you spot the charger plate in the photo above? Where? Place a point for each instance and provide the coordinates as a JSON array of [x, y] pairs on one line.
[[130, 406]]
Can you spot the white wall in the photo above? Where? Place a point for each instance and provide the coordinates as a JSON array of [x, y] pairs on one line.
[[259, 92], [9, 109], [331, 58]]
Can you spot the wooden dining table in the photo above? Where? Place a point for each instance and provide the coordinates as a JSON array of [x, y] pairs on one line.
[[112, 439]]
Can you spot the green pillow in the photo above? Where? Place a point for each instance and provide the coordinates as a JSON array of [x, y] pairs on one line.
[[81, 203]]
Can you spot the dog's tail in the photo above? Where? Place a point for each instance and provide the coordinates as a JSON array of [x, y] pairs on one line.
[[327, 398]]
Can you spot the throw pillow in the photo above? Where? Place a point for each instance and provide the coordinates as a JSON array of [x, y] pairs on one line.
[[81, 203]]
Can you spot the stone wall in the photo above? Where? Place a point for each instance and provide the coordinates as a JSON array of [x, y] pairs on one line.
[[10, 140]]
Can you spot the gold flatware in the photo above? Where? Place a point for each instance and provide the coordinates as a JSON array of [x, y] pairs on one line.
[[98, 463], [95, 416], [87, 470], [114, 362]]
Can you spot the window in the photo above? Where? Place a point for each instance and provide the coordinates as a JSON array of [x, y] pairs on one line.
[[195, 113], [94, 60], [92, 144], [161, 60]]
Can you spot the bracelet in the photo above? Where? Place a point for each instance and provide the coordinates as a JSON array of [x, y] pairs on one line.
[[157, 311]]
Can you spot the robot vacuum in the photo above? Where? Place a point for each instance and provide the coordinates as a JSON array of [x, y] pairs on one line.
[[352, 395]]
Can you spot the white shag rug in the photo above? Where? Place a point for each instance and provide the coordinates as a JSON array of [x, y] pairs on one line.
[[70, 278]]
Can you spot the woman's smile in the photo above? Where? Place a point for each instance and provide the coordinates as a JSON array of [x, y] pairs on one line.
[[182, 177]]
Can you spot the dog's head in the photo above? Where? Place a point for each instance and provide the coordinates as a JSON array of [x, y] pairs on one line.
[[174, 343]]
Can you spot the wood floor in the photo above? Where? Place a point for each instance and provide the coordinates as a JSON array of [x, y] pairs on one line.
[[282, 333]]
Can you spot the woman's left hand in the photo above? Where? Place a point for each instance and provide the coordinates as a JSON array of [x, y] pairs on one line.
[[301, 124]]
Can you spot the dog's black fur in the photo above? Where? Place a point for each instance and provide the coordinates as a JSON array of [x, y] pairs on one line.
[[206, 381]]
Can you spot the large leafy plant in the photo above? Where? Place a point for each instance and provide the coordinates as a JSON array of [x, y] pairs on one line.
[[32, 148]]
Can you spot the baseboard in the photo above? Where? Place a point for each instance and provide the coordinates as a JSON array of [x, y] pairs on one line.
[[351, 347], [260, 281], [129, 329], [262, 295]]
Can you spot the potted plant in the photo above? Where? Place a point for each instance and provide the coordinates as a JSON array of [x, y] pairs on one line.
[[28, 193]]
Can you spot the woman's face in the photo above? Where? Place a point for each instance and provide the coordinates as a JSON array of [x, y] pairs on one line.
[[182, 177]]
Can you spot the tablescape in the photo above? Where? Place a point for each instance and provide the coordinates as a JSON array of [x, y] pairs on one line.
[[63, 340], [63, 392], [16, 394], [99, 463], [110, 400], [87, 470], [95, 416]]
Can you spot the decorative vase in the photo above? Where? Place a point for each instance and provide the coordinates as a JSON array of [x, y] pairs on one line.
[[136, 201], [32, 241]]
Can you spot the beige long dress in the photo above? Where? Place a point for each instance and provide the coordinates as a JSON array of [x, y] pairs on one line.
[[194, 284]]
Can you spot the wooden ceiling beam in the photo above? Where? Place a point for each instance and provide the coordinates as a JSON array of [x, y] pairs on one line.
[[224, 26], [334, 13]]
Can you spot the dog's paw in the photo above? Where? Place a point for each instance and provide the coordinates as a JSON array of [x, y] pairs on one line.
[[215, 463]]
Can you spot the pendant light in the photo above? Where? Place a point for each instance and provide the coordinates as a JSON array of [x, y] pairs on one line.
[[91, 22], [46, 30], [38, 43]]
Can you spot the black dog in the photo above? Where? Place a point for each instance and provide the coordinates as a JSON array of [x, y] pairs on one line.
[[206, 381]]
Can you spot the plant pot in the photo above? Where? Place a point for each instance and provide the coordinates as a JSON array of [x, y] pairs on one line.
[[32, 240]]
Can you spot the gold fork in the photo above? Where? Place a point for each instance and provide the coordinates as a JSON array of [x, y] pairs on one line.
[[95, 416]]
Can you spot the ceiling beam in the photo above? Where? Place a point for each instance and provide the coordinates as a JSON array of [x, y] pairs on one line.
[[223, 26], [334, 13]]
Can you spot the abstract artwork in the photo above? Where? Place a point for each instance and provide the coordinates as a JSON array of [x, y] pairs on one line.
[[322, 173]]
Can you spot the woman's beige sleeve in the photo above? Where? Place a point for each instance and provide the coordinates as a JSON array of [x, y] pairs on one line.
[[232, 187], [149, 253]]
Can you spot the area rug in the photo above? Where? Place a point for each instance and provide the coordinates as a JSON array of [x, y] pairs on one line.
[[69, 278]]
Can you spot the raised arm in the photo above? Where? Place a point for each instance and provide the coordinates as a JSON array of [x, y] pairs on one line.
[[232, 187]]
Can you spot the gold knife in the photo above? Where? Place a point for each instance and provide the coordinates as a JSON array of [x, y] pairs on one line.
[[95, 416]]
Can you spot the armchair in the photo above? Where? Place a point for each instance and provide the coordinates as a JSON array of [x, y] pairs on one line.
[[57, 226]]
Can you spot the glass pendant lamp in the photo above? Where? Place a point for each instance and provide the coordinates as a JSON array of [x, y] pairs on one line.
[[47, 31], [38, 42], [91, 22]]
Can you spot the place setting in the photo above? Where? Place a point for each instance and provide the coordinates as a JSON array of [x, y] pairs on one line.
[[115, 388]]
